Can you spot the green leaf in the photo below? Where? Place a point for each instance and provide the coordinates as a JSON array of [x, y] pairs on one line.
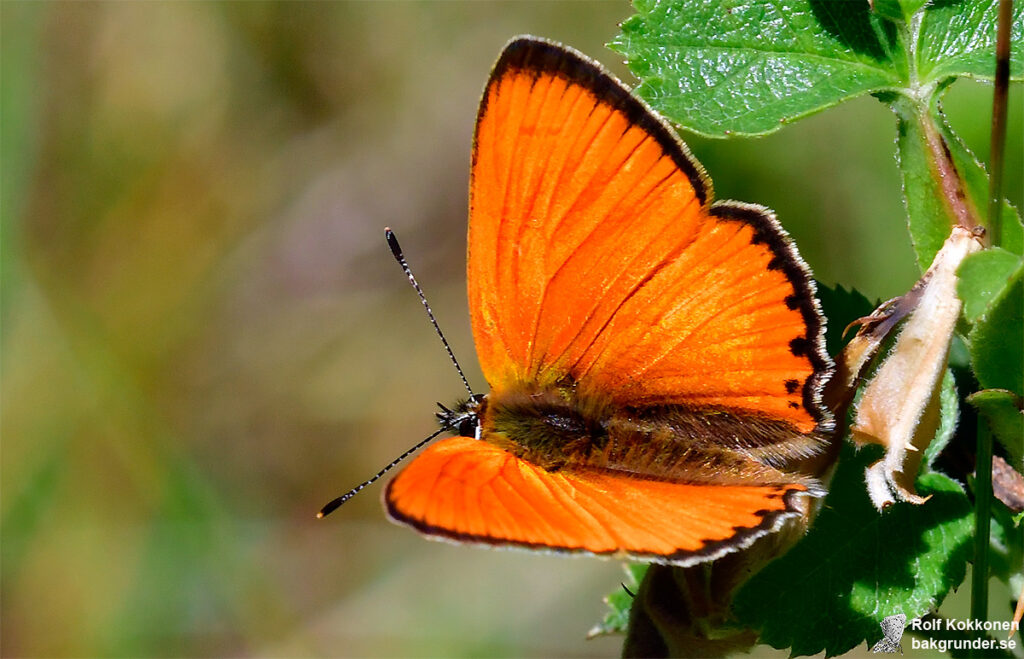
[[949, 414], [959, 358], [911, 7], [898, 10], [841, 307], [746, 67], [958, 38], [996, 342], [889, 9], [856, 566], [620, 602], [1007, 552], [929, 218], [981, 277], [1002, 411]]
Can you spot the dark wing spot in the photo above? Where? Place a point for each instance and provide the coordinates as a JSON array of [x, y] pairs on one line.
[[759, 238], [794, 406], [799, 346], [792, 386], [792, 302]]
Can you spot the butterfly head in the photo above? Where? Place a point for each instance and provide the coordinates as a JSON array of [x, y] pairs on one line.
[[464, 420]]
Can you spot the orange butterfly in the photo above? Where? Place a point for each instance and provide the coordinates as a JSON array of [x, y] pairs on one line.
[[655, 360]]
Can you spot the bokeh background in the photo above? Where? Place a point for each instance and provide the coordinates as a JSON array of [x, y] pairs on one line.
[[205, 337]]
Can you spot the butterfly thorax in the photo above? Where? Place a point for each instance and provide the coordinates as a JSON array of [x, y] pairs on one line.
[[560, 427]]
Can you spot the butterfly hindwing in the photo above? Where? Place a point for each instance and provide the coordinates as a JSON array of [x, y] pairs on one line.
[[471, 491]]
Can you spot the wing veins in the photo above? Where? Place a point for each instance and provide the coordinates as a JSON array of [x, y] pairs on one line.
[[625, 298], [588, 238], [682, 340], [531, 187]]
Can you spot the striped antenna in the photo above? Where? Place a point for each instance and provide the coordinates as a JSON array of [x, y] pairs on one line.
[[396, 249], [449, 420], [334, 505]]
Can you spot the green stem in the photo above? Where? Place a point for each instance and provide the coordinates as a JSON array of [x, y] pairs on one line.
[[983, 522], [944, 171], [983, 467]]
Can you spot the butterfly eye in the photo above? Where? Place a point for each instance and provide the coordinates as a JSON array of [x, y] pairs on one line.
[[464, 420], [469, 426]]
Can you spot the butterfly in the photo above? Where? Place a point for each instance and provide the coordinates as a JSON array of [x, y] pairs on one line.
[[655, 360]]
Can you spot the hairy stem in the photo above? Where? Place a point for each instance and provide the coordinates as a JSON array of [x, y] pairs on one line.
[[945, 172]]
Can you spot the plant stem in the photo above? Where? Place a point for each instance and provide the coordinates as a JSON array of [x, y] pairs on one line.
[[983, 465], [946, 175], [999, 103], [983, 521]]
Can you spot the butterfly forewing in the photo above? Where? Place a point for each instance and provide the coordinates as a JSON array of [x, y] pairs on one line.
[[595, 255]]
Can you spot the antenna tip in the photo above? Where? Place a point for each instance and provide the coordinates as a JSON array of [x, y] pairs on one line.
[[396, 249], [334, 505]]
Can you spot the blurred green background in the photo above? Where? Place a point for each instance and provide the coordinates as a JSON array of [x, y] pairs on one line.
[[205, 337]]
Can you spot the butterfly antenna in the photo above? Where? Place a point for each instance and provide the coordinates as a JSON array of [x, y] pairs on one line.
[[334, 505], [396, 249]]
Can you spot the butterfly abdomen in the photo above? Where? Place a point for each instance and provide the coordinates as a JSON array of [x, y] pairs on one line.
[[557, 428]]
